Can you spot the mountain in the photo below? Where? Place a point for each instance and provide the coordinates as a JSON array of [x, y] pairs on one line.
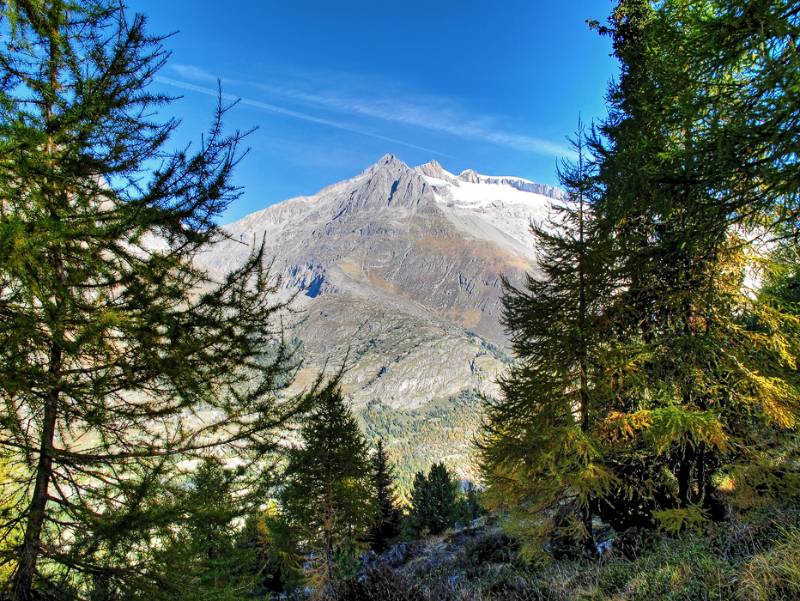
[[401, 267]]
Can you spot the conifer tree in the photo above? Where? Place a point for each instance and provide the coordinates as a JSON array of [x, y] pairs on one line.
[[280, 559], [539, 447], [433, 500], [203, 550], [740, 58], [326, 497], [119, 357], [694, 385], [680, 371], [468, 506], [386, 521]]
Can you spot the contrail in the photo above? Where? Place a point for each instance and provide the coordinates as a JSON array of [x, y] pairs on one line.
[[279, 110]]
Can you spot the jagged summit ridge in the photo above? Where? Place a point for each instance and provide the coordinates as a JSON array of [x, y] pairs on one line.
[[388, 183], [391, 164], [519, 183], [435, 170], [387, 161]]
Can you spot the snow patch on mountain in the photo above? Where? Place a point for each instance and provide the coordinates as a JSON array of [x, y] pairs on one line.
[[499, 209]]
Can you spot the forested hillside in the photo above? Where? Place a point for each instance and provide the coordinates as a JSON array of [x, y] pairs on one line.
[[445, 429]]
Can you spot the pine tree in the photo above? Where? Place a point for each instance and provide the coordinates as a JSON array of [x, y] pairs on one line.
[[386, 524], [326, 496], [119, 357], [539, 447], [433, 500]]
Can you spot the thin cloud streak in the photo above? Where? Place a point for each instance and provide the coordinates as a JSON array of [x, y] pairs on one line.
[[432, 113], [435, 118], [279, 110]]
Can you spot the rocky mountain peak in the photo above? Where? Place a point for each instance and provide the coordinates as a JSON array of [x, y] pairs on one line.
[[403, 265], [388, 162], [434, 169], [468, 175], [388, 183]]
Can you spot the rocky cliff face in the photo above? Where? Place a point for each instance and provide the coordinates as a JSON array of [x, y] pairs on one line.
[[402, 267]]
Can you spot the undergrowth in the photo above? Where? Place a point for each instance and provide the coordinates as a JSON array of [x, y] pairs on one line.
[[755, 557]]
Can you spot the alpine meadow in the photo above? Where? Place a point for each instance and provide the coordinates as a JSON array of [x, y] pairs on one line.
[[402, 382]]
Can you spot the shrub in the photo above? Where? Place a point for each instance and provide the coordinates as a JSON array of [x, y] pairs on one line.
[[494, 547]]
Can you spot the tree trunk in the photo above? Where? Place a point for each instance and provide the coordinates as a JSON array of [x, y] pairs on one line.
[[684, 478], [29, 554], [330, 585], [701, 475], [589, 544], [586, 511], [22, 588]]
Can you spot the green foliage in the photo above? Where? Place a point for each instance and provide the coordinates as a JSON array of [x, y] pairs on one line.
[[700, 367], [651, 360], [539, 447], [326, 496], [119, 357], [468, 505], [679, 519], [433, 500], [11, 535], [278, 548], [386, 521], [415, 437], [205, 553]]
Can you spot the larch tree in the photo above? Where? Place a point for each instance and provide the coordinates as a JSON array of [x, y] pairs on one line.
[[119, 356], [700, 368], [651, 362], [539, 449]]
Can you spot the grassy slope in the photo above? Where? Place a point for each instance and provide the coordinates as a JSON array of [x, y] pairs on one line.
[[755, 557]]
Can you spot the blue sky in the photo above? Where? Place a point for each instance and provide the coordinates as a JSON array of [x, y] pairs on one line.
[[332, 86]]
